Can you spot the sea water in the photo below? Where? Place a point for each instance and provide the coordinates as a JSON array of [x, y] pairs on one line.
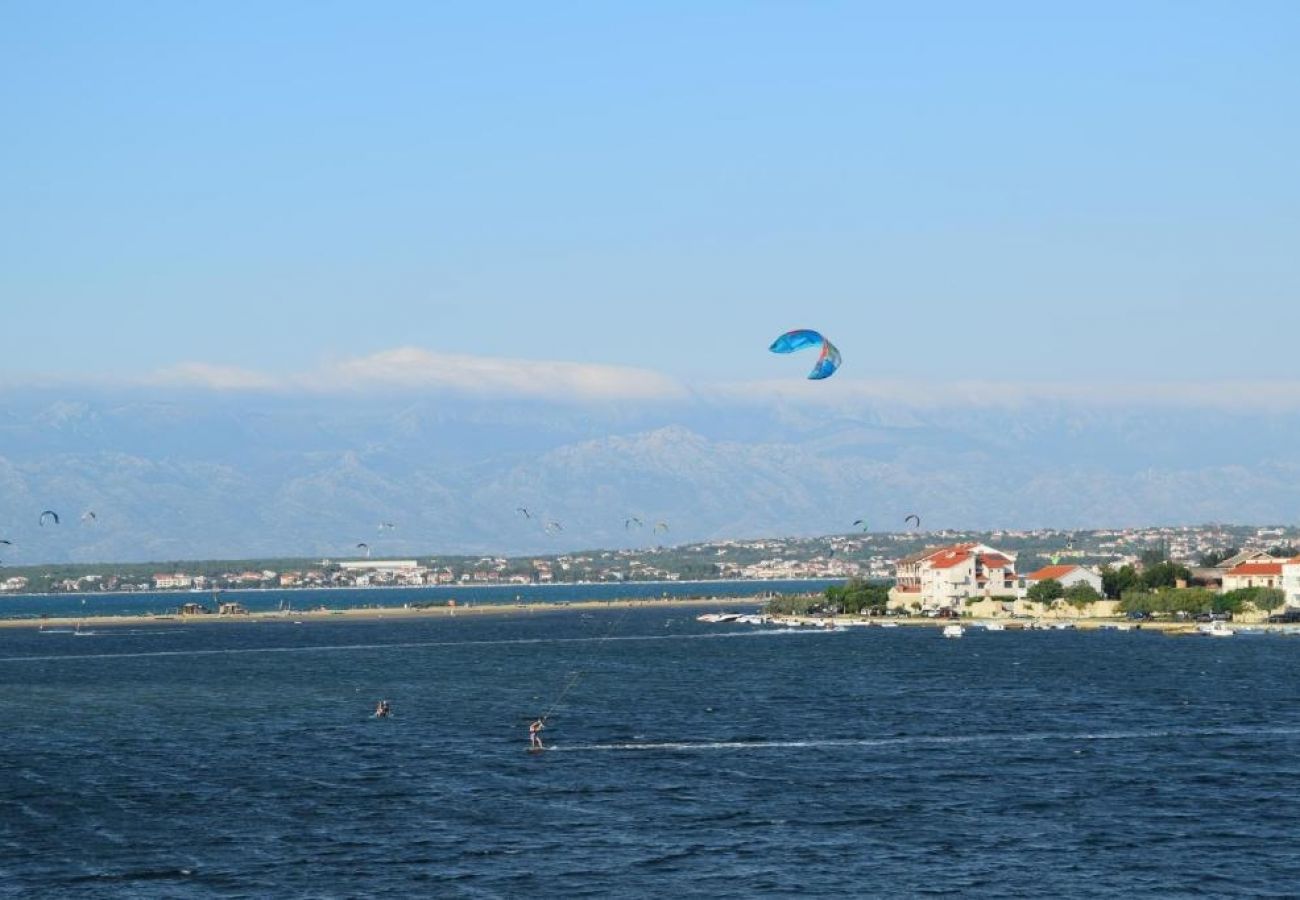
[[687, 759]]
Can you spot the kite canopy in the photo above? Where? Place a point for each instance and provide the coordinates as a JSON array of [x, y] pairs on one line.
[[827, 362], [51, 514]]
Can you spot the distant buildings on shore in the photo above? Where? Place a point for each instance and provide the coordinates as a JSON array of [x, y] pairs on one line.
[[953, 576], [958, 568]]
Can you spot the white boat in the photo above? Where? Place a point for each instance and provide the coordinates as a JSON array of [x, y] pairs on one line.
[[994, 626], [1216, 629], [953, 631], [888, 624]]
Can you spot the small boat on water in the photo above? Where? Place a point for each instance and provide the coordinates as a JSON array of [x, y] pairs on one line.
[[994, 626], [718, 617], [953, 631], [1215, 629]]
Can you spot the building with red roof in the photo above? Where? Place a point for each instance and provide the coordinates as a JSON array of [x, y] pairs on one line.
[[1252, 575], [1067, 575], [945, 577]]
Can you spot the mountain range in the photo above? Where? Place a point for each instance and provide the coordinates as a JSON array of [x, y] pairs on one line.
[[186, 473]]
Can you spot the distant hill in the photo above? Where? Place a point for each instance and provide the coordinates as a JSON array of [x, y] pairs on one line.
[[201, 474]]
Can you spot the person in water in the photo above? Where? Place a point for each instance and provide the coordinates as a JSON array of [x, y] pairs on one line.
[[382, 710], [535, 735]]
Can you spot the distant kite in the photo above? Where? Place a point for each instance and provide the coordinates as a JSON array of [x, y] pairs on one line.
[[520, 509], [827, 362], [861, 523], [365, 547], [89, 515], [630, 521], [553, 527], [913, 518], [52, 514]]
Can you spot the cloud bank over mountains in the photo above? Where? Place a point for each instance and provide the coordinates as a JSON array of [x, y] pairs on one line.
[[412, 368], [211, 461]]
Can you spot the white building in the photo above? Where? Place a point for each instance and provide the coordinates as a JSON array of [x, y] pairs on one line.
[[178, 580], [1291, 581], [393, 566], [948, 576], [1067, 576]]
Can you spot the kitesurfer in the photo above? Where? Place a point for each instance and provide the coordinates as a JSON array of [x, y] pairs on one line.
[[383, 710], [535, 735]]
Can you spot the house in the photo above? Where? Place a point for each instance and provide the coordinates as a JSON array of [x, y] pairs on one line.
[[194, 609], [1253, 574], [1291, 581], [946, 577], [232, 609], [178, 580], [1067, 576], [1246, 556]]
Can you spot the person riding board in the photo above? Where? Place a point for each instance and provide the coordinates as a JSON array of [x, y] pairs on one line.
[[535, 735], [382, 710]]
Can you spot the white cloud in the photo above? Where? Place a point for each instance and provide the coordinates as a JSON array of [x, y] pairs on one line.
[[413, 368], [217, 378], [418, 369]]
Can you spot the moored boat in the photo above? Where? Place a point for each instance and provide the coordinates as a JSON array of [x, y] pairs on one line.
[[1215, 629]]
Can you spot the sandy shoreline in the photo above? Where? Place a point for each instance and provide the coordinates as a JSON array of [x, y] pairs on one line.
[[362, 614]]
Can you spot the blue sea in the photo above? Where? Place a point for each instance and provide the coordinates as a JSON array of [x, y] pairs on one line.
[[687, 760]]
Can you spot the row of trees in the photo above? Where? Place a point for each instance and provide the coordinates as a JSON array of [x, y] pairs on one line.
[[1153, 577], [854, 597], [1197, 601]]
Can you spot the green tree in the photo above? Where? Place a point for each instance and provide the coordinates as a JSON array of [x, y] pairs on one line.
[[1081, 595], [857, 596], [1261, 598], [1268, 599], [1193, 601], [1136, 600], [1164, 575], [1114, 582], [1046, 592]]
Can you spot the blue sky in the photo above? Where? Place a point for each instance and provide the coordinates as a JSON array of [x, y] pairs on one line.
[[1013, 191]]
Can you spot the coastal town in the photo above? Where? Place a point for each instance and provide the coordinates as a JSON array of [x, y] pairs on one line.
[[927, 570]]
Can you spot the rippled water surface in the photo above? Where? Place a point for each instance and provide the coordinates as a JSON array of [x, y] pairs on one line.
[[696, 760]]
